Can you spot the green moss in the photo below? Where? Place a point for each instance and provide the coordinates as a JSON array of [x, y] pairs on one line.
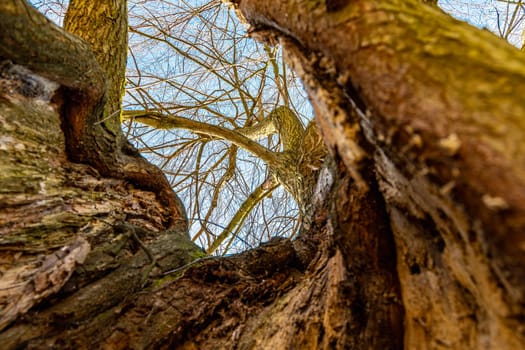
[[166, 279], [198, 254]]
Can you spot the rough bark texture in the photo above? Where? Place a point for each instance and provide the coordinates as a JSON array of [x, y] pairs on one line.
[[65, 59], [53, 212], [104, 25], [415, 233], [56, 214], [449, 154]]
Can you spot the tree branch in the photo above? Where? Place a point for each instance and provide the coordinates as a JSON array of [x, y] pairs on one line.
[[257, 195], [61, 57], [165, 121], [262, 129]]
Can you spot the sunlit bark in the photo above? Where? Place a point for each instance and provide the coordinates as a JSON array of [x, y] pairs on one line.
[[449, 155], [104, 25]]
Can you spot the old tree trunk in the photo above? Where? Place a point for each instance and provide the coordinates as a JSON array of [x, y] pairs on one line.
[[415, 237]]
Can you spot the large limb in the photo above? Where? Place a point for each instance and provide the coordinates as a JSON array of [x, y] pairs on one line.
[[395, 69], [62, 57], [165, 121], [438, 111], [295, 168]]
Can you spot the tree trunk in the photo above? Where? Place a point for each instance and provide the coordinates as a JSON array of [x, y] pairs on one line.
[[415, 233], [449, 154]]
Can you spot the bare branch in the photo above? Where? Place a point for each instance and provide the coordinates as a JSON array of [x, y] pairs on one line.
[[236, 222], [163, 121]]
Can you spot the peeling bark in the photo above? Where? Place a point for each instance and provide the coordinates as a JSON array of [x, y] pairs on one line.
[[56, 215], [448, 153]]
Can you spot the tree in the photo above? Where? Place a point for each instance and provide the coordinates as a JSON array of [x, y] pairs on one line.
[[415, 236], [201, 48], [217, 77]]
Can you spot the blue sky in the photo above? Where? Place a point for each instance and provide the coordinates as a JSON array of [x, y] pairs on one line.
[[489, 14]]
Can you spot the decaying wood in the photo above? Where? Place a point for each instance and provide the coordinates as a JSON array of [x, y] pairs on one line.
[[54, 212], [56, 215], [448, 156], [104, 303]]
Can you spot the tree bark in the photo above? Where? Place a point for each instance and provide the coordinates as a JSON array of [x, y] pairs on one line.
[[415, 230], [104, 25], [448, 154], [57, 214], [295, 168]]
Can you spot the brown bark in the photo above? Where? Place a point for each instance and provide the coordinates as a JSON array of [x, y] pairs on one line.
[[415, 233], [396, 71], [55, 214], [69, 61], [448, 153], [104, 25]]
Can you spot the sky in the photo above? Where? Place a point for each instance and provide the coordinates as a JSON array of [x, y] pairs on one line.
[[490, 14]]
